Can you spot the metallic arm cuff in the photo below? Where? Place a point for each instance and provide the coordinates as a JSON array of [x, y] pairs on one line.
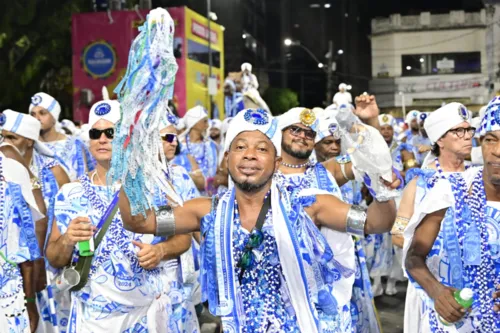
[[356, 219], [165, 221]]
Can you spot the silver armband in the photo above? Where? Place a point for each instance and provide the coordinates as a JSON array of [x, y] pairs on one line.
[[165, 221], [356, 219]]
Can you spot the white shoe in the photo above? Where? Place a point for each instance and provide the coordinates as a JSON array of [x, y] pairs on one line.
[[391, 289], [377, 289]]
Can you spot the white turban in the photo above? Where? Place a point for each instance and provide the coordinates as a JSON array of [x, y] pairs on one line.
[[193, 116], [342, 86], [108, 110], [26, 126], [491, 120], [180, 124], [298, 115], [386, 119], [168, 119], [254, 120], [246, 65], [225, 124], [413, 114], [216, 123], [47, 102], [328, 126], [69, 125], [445, 118]]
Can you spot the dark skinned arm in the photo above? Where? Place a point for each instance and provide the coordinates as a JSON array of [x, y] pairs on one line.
[[330, 212], [423, 240], [187, 217], [27, 272]]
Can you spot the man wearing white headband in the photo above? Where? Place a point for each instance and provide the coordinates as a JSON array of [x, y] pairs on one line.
[[72, 151], [214, 131], [22, 131], [248, 80], [451, 241], [342, 96], [194, 142], [233, 99], [250, 292], [412, 122], [450, 131], [421, 143]]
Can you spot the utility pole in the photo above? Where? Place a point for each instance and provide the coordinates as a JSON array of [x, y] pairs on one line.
[[329, 74], [209, 10], [284, 33]]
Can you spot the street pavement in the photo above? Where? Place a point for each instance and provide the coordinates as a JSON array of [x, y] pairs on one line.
[[391, 310]]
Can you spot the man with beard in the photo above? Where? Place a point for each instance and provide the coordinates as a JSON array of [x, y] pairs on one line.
[[297, 173], [412, 123], [214, 131], [451, 242], [421, 143], [260, 247], [71, 150]]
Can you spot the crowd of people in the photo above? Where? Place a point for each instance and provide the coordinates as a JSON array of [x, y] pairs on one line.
[[291, 223]]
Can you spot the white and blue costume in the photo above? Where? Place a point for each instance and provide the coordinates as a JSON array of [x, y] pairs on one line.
[[120, 296], [74, 154], [234, 103], [18, 244]]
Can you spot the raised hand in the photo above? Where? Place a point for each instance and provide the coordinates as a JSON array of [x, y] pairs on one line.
[[366, 107]]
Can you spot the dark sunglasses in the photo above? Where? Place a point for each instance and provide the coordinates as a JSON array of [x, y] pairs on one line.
[[460, 132], [95, 134], [296, 130], [169, 137]]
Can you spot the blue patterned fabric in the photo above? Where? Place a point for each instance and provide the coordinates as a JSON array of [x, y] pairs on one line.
[[418, 141], [119, 291], [233, 104], [205, 154], [18, 244], [75, 156]]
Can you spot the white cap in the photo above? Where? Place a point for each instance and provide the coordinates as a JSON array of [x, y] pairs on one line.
[[27, 127], [193, 116], [386, 119], [328, 126], [216, 123], [247, 66], [254, 120], [225, 124], [445, 118], [47, 102], [297, 115], [342, 86], [413, 114], [108, 110]]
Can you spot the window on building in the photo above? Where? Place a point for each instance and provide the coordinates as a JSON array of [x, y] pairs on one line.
[[198, 52], [441, 63]]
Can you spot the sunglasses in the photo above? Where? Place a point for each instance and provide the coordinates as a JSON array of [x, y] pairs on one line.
[[95, 134], [296, 130], [169, 137]]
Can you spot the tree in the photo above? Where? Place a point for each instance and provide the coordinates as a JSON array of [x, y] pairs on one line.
[[280, 100], [35, 51]]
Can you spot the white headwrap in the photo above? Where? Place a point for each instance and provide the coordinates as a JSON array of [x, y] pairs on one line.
[[180, 124], [193, 116], [246, 65], [69, 125], [47, 102], [342, 86], [491, 120], [445, 118], [27, 127], [386, 119], [225, 124], [254, 120], [216, 123], [108, 110], [298, 115], [413, 114], [328, 126]]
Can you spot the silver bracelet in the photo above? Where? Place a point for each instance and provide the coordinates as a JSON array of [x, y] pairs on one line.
[[356, 219], [165, 221], [342, 169]]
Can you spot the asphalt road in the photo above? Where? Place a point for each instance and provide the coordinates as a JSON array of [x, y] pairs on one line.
[[391, 309]]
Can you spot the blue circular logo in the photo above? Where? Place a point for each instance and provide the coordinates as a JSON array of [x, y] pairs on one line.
[[35, 100], [256, 117], [102, 109], [99, 59], [332, 128], [172, 119], [423, 116], [3, 119], [462, 111]]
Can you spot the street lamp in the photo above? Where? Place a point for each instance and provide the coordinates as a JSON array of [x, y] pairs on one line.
[[320, 65], [288, 42]]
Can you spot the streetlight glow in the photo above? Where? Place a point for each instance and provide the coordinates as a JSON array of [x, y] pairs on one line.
[[408, 68], [327, 5], [320, 65], [422, 59], [244, 36], [288, 42], [340, 51]]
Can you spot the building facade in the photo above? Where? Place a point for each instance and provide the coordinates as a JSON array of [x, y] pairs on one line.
[[429, 59]]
